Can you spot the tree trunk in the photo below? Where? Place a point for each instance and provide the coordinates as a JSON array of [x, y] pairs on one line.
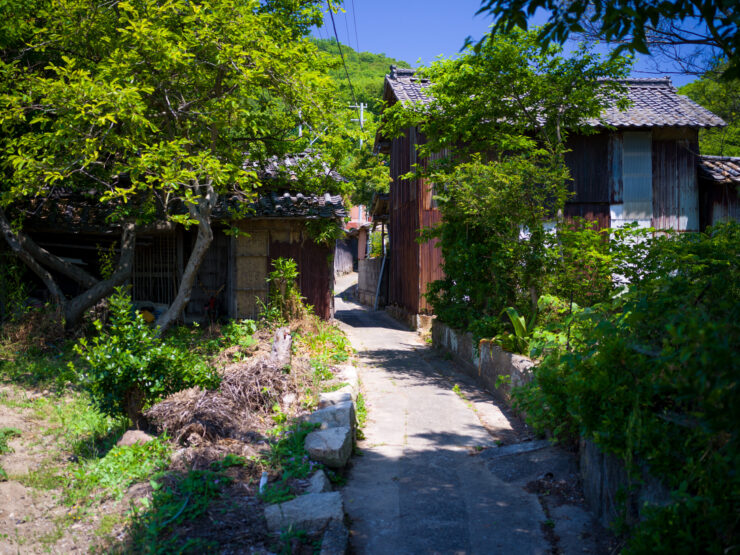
[[34, 256], [11, 237], [201, 213], [101, 289]]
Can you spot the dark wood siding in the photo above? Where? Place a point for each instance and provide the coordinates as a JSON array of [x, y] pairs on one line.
[[315, 272], [403, 287], [213, 277], [594, 162], [718, 202], [588, 162], [675, 188]]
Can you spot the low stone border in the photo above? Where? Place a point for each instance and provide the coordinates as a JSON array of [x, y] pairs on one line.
[[495, 369], [322, 510]]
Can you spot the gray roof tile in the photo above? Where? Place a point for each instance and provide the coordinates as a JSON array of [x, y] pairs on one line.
[[722, 169], [654, 103]]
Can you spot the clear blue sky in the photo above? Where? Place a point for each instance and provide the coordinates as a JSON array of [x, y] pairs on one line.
[[414, 30]]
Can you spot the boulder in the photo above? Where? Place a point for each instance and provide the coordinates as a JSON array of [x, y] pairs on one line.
[[319, 483], [335, 540], [312, 512], [337, 397], [335, 416], [132, 437], [332, 446]]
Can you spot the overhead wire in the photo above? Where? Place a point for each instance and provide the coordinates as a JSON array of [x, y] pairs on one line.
[[341, 54], [354, 17]]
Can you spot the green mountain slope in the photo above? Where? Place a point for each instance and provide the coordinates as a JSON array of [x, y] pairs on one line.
[[366, 71]]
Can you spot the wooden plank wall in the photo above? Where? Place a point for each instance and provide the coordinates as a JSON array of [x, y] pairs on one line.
[[594, 182], [343, 256], [430, 255], [718, 203], [315, 278], [213, 277], [675, 186], [404, 223]]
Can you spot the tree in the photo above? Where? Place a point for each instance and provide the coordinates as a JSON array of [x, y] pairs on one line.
[[635, 25], [495, 130], [154, 107], [722, 97]]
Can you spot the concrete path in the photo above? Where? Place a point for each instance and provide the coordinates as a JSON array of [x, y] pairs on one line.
[[442, 470]]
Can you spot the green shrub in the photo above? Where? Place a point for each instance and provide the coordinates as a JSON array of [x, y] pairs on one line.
[[285, 301], [654, 376], [128, 366]]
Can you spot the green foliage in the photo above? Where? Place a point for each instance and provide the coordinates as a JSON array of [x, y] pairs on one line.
[[361, 408], [154, 530], [635, 25], [722, 97], [517, 342], [128, 366], [365, 69], [652, 376], [285, 302], [114, 473], [107, 260], [13, 287]]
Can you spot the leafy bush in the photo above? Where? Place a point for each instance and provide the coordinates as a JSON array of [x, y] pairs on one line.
[[129, 366], [653, 376], [285, 301]]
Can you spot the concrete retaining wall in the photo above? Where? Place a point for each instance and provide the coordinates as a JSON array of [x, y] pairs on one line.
[[495, 369], [367, 281], [608, 488]]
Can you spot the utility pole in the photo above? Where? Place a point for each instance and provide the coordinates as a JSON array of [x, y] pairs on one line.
[[362, 107]]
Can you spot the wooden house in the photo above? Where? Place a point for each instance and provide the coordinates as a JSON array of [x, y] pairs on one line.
[[643, 168], [232, 280]]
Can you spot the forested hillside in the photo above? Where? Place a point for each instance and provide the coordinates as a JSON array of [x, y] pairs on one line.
[[366, 71]]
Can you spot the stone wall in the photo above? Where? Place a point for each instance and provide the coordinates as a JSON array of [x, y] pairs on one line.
[[494, 368]]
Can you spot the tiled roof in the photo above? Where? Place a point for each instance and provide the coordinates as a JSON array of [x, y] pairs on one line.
[[654, 103], [86, 214], [275, 167], [722, 169], [273, 205]]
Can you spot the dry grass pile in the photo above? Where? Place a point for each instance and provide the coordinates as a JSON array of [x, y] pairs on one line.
[[36, 329], [248, 395]]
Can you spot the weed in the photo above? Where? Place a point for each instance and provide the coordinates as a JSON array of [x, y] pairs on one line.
[[188, 499], [333, 387], [114, 473], [5, 435], [107, 523], [47, 477], [456, 389], [290, 536], [361, 409], [287, 451]]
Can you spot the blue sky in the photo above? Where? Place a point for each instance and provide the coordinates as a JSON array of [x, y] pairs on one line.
[[414, 30]]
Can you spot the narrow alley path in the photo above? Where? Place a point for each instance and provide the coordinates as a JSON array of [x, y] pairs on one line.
[[443, 470]]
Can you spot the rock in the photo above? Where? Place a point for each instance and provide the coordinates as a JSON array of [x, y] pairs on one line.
[[319, 483], [348, 373], [335, 540], [281, 348], [332, 446], [335, 397], [339, 415], [289, 399], [312, 512], [132, 437]]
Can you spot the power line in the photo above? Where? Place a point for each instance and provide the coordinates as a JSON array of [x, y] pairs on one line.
[[354, 17], [341, 54]]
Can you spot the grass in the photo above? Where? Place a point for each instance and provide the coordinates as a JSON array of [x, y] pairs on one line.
[[5, 435]]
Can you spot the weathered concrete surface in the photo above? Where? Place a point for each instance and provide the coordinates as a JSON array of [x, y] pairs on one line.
[[330, 398], [335, 540], [332, 446], [312, 512], [335, 416], [428, 481]]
